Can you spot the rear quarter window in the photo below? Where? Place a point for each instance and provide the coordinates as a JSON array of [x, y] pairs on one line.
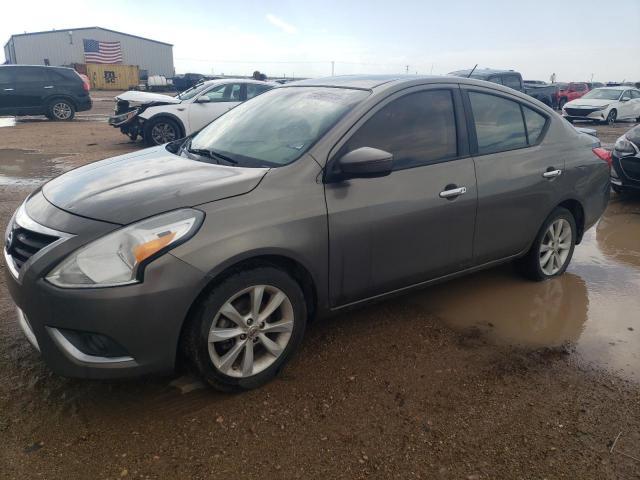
[[535, 124]]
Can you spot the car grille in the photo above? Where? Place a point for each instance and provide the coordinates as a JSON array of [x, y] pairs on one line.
[[631, 167], [579, 112], [22, 244]]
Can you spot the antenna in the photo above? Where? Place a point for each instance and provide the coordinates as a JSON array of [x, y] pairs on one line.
[[472, 70]]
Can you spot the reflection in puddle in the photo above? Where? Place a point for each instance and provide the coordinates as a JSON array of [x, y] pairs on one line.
[[7, 121], [595, 306], [28, 167]]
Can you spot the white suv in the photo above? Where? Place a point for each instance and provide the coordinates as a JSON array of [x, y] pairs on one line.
[[159, 118]]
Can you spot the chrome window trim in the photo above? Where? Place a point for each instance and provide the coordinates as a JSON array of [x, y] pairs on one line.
[[22, 219], [82, 358]]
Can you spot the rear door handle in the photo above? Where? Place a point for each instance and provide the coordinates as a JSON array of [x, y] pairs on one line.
[[49, 86], [8, 89], [552, 173], [453, 192]]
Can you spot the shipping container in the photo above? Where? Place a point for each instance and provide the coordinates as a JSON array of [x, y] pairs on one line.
[[112, 76]]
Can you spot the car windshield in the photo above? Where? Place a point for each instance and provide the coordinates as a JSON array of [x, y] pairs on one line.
[[191, 92], [603, 94], [277, 127]]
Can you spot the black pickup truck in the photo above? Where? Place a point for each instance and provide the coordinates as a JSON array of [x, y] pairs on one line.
[[547, 94]]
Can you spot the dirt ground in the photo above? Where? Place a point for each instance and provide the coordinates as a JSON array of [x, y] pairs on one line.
[[485, 377]]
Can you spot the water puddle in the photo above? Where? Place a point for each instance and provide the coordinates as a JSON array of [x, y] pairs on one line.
[[7, 121], [29, 167], [594, 307]]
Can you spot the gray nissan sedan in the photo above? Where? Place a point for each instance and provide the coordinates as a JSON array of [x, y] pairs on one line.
[[311, 198]]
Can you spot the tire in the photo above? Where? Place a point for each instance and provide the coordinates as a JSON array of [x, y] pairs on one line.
[[283, 329], [60, 110], [562, 103], [161, 130], [612, 116], [531, 265]]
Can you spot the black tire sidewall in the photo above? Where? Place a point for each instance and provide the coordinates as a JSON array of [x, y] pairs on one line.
[[613, 113], [53, 102], [204, 314], [148, 138], [558, 213]]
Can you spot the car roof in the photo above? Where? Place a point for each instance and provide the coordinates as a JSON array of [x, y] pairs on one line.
[[219, 81], [616, 87], [480, 71], [364, 82]]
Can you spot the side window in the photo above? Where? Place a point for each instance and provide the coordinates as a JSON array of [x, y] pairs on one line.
[[496, 79], [55, 76], [535, 124], [498, 121], [229, 92], [635, 93], [626, 95], [30, 74], [253, 89], [512, 81], [418, 129], [580, 87]]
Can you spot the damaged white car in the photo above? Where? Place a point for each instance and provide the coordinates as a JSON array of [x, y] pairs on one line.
[[159, 118]]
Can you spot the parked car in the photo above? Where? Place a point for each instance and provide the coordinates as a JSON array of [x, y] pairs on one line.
[[187, 81], [570, 91], [606, 104], [309, 199], [625, 174], [56, 92], [159, 118], [547, 94]]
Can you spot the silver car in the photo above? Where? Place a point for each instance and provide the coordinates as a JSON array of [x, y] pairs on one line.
[[308, 199]]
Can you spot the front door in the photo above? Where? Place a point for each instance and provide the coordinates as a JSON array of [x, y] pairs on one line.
[[416, 223], [212, 103], [518, 183], [628, 107], [7, 91]]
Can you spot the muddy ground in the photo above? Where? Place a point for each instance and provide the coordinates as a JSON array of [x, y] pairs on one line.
[[485, 377]]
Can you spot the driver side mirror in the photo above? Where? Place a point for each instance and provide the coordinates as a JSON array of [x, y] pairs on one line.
[[203, 99], [624, 99], [365, 162]]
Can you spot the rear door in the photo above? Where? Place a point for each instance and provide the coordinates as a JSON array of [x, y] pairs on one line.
[[7, 91], [391, 232], [212, 103], [518, 183], [31, 88]]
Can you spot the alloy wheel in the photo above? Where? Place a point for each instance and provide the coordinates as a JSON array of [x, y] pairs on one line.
[[61, 111], [163, 133], [611, 118], [251, 331], [555, 246]]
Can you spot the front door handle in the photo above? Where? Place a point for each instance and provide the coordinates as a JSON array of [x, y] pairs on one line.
[[453, 192], [8, 89], [49, 86], [552, 173]]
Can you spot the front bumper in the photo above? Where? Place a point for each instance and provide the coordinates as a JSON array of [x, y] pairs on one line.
[[585, 114], [144, 319], [625, 172]]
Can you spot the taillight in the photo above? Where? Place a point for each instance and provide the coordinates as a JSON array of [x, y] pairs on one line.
[[603, 154], [85, 85]]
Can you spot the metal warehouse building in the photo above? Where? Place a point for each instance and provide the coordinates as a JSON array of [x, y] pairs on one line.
[[65, 47]]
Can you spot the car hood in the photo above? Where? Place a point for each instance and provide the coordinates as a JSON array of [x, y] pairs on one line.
[[129, 187], [146, 97], [588, 102]]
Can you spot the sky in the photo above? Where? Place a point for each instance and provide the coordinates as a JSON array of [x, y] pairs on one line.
[[578, 41]]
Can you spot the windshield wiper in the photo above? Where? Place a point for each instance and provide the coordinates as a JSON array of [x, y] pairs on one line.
[[212, 155]]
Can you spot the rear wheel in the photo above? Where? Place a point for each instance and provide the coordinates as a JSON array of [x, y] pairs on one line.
[[552, 249], [245, 330], [160, 131], [60, 110]]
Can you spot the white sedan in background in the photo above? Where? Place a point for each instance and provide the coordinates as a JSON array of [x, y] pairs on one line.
[[159, 118], [606, 104]]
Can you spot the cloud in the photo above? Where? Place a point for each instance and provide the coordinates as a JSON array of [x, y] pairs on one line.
[[281, 24]]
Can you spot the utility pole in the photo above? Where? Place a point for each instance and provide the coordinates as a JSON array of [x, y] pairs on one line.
[[333, 65], [406, 69]]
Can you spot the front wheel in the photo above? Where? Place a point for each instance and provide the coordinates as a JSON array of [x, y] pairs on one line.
[[244, 331], [562, 103], [611, 118], [160, 131], [552, 249]]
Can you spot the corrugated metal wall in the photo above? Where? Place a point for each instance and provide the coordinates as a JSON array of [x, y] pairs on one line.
[[64, 47]]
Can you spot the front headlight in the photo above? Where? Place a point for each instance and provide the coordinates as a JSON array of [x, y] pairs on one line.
[[119, 257], [603, 107], [624, 148]]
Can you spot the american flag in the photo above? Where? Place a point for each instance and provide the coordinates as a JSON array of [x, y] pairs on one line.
[[96, 51]]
